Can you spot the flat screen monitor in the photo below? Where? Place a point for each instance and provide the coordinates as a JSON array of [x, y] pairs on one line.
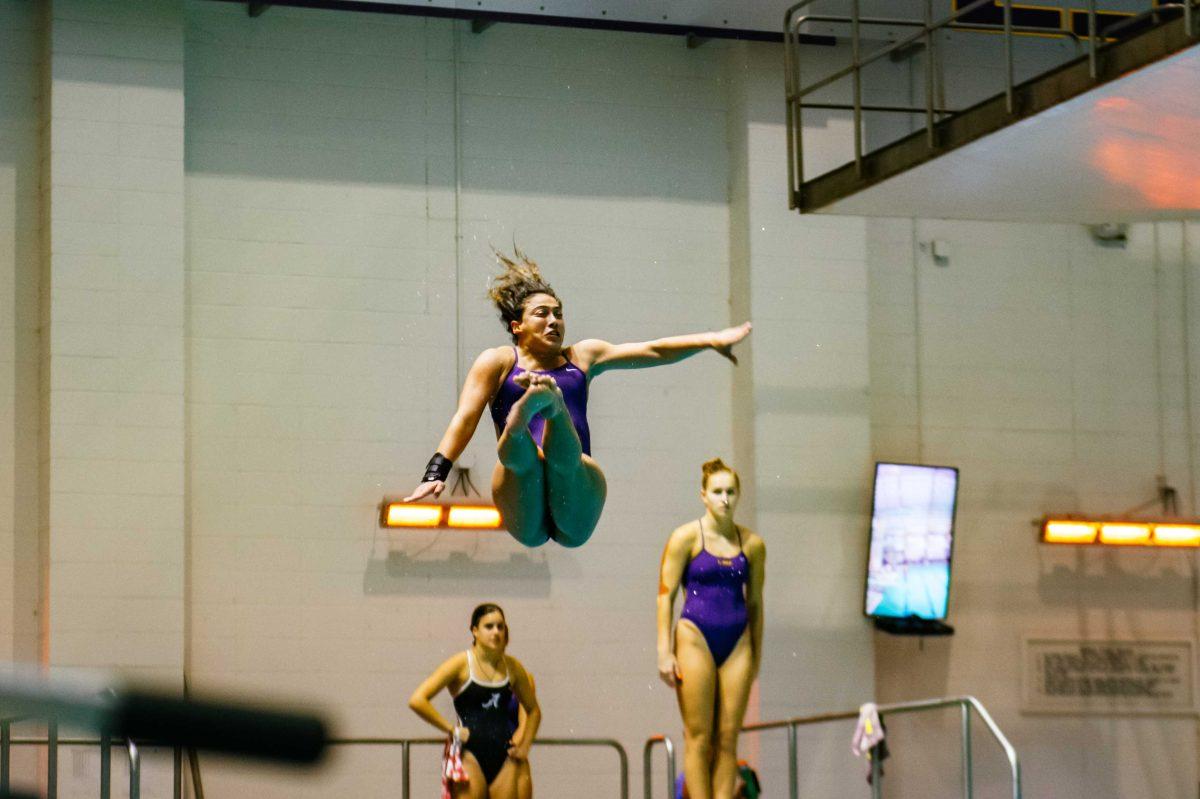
[[912, 536]]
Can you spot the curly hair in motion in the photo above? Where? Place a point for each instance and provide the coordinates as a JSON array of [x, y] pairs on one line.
[[709, 468], [519, 281]]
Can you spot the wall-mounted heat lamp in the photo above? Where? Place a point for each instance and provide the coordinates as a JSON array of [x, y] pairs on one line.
[[413, 516], [1114, 532]]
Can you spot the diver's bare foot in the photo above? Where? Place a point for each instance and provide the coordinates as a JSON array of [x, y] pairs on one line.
[[557, 404], [539, 396]]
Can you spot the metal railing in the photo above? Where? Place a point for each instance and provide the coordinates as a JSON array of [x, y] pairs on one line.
[[966, 703], [406, 745], [133, 751], [52, 743], [647, 776], [796, 91]]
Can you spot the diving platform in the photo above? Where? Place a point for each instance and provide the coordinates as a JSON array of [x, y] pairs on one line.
[[1113, 134]]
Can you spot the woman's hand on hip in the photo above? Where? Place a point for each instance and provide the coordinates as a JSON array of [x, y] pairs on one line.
[[668, 670]]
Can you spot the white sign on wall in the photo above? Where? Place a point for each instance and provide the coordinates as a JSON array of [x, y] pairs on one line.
[[1124, 677]]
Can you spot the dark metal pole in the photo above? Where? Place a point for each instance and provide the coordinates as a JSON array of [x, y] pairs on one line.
[[135, 771], [5, 746], [929, 138], [968, 765], [793, 766], [854, 49], [52, 760], [1008, 55], [1091, 12], [105, 767], [405, 765]]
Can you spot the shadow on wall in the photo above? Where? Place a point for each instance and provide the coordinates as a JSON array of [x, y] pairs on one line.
[[1115, 579], [458, 575]]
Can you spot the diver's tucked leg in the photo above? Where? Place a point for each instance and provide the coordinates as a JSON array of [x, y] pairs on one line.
[[576, 486], [519, 481]]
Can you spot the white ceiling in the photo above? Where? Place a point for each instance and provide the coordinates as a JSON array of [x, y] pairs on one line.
[[764, 16], [1127, 151]]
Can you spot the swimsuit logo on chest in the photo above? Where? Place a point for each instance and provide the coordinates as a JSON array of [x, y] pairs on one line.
[[494, 702]]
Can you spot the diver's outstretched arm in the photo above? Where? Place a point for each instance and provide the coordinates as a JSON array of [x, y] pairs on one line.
[[597, 356], [477, 389]]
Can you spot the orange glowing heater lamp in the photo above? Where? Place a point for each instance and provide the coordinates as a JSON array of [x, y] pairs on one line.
[[1120, 532], [416, 516]]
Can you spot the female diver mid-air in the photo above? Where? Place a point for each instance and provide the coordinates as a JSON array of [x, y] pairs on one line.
[[546, 485]]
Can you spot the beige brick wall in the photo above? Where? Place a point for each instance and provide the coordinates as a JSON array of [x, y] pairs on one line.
[[112, 366], [19, 266], [1051, 371], [311, 267]]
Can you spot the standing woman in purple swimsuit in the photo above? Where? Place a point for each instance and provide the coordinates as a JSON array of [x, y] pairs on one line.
[[713, 657], [546, 484]]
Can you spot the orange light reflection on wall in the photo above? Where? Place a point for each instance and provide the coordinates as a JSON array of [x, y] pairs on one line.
[[1152, 152]]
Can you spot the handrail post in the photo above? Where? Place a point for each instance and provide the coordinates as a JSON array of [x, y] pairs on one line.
[[405, 764], [967, 762], [105, 767], [624, 758], [647, 786], [929, 136], [876, 771], [1008, 55], [1009, 752], [854, 48], [177, 772], [52, 759], [669, 748], [793, 768], [647, 776], [135, 771], [1091, 12], [789, 91], [5, 746]]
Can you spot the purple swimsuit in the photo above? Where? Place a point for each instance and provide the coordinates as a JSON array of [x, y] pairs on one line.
[[715, 590], [574, 385]]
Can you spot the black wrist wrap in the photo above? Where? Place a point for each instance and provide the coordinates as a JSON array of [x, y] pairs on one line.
[[438, 468]]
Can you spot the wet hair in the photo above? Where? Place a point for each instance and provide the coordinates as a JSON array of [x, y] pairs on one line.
[[483, 610], [709, 468], [519, 281]]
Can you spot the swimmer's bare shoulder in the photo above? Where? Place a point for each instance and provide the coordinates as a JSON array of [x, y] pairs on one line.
[[684, 537], [490, 367]]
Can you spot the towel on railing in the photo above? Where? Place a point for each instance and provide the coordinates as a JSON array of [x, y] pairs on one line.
[[868, 734], [868, 731], [452, 766]]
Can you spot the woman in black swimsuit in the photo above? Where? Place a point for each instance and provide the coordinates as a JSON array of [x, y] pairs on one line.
[[482, 681]]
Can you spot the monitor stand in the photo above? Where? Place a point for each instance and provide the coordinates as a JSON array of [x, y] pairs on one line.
[[912, 625]]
